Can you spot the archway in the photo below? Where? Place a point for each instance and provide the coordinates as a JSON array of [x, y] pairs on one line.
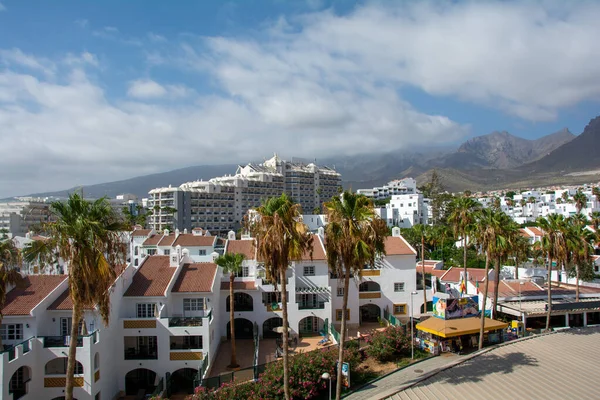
[[140, 379], [429, 307], [369, 286], [241, 302], [182, 381], [310, 326], [370, 313], [58, 366], [18, 382], [271, 324], [243, 329]]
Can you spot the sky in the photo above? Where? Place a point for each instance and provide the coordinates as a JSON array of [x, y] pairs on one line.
[[94, 92]]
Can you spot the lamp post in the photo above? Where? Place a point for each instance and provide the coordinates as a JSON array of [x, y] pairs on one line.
[[326, 376], [412, 339]]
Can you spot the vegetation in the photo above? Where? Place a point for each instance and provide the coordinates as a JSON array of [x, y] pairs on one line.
[[462, 219], [388, 344], [10, 260], [88, 236]]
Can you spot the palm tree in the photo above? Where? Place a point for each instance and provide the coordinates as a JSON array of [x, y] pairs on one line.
[[281, 238], [88, 236], [519, 246], [462, 218], [10, 260], [565, 196], [580, 200], [355, 236], [595, 220], [596, 193], [425, 232], [232, 265], [523, 202], [580, 248], [554, 245]]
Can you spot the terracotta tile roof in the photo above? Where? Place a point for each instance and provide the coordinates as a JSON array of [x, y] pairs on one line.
[[453, 274], [38, 237], [167, 240], [245, 247], [63, 302], [196, 277], [428, 268], [524, 233], [152, 240], [536, 231], [318, 252], [397, 246], [513, 288], [141, 232], [239, 286], [438, 273], [21, 301], [189, 240], [152, 278]]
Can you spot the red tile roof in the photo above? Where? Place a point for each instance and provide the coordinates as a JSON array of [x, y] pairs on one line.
[[453, 274], [239, 286], [536, 231], [189, 240], [167, 240], [513, 288], [318, 252], [152, 240], [196, 277], [524, 233], [141, 232], [397, 246], [245, 247], [152, 278], [22, 300]]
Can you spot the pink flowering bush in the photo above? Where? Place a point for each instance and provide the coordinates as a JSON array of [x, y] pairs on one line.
[[388, 344]]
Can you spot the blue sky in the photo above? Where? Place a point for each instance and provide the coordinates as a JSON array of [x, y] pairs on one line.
[[100, 91]]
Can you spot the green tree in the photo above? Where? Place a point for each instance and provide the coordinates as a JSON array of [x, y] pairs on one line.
[[10, 260], [580, 200], [596, 193], [355, 236], [281, 238], [580, 250], [519, 247], [89, 237], [462, 218], [426, 233], [554, 244], [232, 265]]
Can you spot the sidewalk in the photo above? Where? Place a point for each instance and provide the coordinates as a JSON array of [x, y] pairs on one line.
[[389, 385]]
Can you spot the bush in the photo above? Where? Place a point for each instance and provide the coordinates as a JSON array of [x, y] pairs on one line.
[[388, 344]]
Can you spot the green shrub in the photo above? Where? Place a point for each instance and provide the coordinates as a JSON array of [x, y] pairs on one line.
[[388, 344]]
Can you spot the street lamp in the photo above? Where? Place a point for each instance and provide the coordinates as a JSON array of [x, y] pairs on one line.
[[412, 339], [326, 376]]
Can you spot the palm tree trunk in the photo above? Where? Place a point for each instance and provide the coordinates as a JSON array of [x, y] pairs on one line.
[[233, 363], [517, 266], [549, 312], [485, 292], [72, 361], [577, 282], [465, 256], [423, 277], [286, 365], [496, 284], [338, 385]]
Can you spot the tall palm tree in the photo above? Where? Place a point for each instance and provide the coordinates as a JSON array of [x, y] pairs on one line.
[[10, 260], [554, 244], [89, 237], [596, 193], [519, 247], [595, 220], [281, 237], [579, 248], [507, 229], [565, 196], [461, 218], [580, 200], [426, 233], [232, 265], [489, 227], [355, 236]]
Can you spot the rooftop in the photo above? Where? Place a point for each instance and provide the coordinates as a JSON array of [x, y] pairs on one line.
[[196, 277], [245, 247], [395, 246], [22, 300], [453, 274], [152, 278]]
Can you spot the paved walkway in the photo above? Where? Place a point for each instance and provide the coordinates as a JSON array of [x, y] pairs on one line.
[[389, 385]]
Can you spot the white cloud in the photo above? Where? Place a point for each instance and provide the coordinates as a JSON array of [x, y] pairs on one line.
[[2, 7], [82, 59], [82, 23], [156, 38], [16, 57], [146, 89]]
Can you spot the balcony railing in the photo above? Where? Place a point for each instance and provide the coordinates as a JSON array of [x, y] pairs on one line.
[[369, 295], [185, 321], [318, 306], [60, 341], [141, 354]]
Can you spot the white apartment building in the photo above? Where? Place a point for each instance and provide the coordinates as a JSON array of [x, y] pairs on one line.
[[169, 314], [17, 217], [407, 210], [393, 188], [219, 204]]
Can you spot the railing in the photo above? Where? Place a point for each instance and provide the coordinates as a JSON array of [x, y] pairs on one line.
[[256, 342], [181, 346], [394, 321], [159, 388], [141, 355], [319, 306], [334, 333], [369, 295], [185, 321], [198, 380], [60, 341], [371, 272]]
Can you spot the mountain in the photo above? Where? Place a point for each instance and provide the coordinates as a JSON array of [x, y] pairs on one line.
[[501, 150], [579, 154]]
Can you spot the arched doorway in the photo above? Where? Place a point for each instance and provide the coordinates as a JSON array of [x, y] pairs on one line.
[[370, 313], [243, 329], [429, 307], [140, 379], [271, 324], [369, 286], [182, 381], [241, 302], [18, 382], [310, 326], [58, 366]]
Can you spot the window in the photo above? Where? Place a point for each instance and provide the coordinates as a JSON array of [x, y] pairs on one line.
[[338, 315], [167, 252], [136, 250], [201, 252], [399, 287], [309, 270], [135, 262], [12, 331], [244, 272], [151, 252], [399, 308], [340, 292], [193, 304], [146, 310]]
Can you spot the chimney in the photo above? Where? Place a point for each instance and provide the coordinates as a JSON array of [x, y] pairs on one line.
[[185, 231], [166, 232], [396, 231], [231, 235], [214, 255], [321, 232], [176, 233]]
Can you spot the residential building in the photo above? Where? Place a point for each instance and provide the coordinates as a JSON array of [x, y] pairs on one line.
[[17, 217], [407, 210], [393, 188]]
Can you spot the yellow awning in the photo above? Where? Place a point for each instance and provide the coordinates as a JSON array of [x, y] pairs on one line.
[[459, 326]]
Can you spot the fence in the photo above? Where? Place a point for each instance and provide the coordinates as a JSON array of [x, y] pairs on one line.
[[334, 333], [394, 321], [159, 388], [256, 344], [198, 381]]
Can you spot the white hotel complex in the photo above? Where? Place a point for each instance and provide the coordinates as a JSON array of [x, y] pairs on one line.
[[169, 314], [219, 204]]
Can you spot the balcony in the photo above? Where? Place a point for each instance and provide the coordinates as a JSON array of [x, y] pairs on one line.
[[185, 321], [60, 341], [141, 354], [369, 295], [371, 272], [139, 323], [318, 306]]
